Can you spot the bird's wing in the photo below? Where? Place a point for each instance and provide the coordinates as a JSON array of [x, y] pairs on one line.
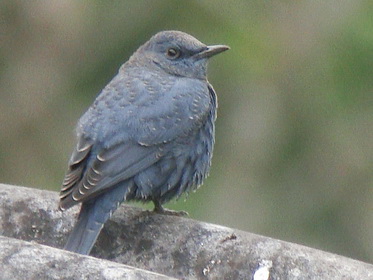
[[90, 174]]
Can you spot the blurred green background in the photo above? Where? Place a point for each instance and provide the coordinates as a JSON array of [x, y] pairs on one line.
[[294, 151]]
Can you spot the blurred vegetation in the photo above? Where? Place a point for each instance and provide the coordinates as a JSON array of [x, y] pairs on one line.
[[294, 149]]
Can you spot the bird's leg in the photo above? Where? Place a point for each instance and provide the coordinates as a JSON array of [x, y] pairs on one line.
[[158, 208]]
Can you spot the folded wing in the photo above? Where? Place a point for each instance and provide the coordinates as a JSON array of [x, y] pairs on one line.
[[90, 173]]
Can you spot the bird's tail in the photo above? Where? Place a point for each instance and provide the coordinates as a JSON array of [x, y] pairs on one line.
[[92, 217]]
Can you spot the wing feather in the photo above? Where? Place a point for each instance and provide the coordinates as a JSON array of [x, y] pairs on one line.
[[90, 175], [76, 166]]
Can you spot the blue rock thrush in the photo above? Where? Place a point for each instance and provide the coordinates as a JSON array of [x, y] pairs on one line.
[[148, 136]]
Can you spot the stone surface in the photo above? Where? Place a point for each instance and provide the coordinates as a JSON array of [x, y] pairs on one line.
[[28, 260], [174, 246]]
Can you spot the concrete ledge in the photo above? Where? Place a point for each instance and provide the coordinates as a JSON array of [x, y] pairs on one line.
[[173, 246], [25, 260]]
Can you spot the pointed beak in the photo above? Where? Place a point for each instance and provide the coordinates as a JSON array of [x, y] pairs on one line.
[[211, 51]]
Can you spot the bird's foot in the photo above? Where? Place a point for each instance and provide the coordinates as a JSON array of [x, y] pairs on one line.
[[165, 211], [159, 209]]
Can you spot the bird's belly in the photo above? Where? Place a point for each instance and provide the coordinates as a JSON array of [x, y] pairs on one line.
[[181, 170]]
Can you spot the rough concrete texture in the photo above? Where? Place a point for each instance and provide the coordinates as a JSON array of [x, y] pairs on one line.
[[24, 260], [174, 246]]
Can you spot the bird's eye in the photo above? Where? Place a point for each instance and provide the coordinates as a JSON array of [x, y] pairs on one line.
[[173, 53]]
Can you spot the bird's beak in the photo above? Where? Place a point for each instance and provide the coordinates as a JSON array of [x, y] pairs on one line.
[[211, 51]]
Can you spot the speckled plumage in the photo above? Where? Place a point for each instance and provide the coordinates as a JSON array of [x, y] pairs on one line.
[[148, 136]]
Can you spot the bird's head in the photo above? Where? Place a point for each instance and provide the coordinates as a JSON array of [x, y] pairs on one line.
[[178, 53]]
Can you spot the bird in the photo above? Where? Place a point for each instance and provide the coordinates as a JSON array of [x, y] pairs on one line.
[[148, 136]]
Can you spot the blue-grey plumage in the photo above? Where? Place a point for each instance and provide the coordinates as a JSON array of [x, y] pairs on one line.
[[148, 136]]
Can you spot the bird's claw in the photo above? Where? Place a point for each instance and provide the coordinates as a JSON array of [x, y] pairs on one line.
[[164, 211], [159, 209]]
